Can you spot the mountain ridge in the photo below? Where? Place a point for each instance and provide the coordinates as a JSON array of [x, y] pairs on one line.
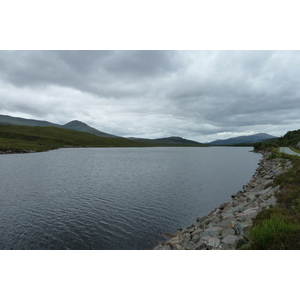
[[245, 139], [80, 126], [169, 141]]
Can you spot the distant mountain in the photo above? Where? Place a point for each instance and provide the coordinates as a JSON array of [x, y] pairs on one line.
[[80, 126], [26, 122], [73, 125], [260, 137], [169, 141]]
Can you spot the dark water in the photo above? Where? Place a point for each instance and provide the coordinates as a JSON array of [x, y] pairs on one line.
[[114, 198]]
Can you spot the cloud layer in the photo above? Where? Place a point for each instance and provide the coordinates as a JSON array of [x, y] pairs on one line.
[[201, 95]]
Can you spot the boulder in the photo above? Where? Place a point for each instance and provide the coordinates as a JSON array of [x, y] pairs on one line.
[[248, 214], [230, 242], [211, 242]]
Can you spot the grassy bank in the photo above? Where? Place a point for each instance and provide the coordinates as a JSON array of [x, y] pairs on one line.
[[278, 228], [26, 138]]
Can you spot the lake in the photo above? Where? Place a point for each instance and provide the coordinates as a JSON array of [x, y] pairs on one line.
[[114, 198]]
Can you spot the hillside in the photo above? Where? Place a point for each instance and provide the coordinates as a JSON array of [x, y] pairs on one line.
[[74, 125], [242, 140], [25, 138], [169, 141], [80, 126], [290, 139], [26, 122]]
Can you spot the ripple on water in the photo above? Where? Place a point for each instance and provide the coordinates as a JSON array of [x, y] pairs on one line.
[[113, 198]]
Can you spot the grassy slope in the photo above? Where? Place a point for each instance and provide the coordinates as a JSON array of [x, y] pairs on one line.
[[19, 138], [171, 142], [278, 228]]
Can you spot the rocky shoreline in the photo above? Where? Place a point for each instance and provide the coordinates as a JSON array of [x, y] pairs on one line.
[[225, 228]]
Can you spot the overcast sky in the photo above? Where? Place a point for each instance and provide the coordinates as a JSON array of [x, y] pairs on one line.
[[199, 95]]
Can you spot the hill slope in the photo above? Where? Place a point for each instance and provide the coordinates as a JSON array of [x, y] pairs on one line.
[[74, 125], [26, 122], [242, 140], [80, 126], [24, 138], [290, 139], [169, 141]]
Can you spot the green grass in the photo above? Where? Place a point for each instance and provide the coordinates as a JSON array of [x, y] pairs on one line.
[[274, 232], [22, 138], [278, 228]]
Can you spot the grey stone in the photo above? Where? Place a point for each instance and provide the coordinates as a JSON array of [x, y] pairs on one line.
[[228, 231], [177, 247], [184, 239], [243, 227], [230, 242], [252, 204], [200, 246], [165, 247], [212, 232], [197, 231], [211, 241], [251, 196], [247, 214], [228, 222], [190, 245]]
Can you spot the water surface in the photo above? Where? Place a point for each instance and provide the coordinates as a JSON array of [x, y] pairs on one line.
[[113, 198]]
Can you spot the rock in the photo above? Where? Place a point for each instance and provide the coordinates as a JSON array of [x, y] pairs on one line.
[[177, 247], [230, 242], [211, 241], [243, 227], [190, 245], [226, 226], [212, 232], [197, 231], [228, 231], [201, 246], [228, 222], [164, 247], [247, 214], [271, 201]]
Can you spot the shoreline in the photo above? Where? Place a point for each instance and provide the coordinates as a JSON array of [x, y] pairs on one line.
[[225, 227]]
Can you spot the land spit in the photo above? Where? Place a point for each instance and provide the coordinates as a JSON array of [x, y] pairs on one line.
[[226, 227]]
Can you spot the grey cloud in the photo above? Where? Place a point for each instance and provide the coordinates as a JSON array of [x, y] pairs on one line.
[[142, 64], [197, 94]]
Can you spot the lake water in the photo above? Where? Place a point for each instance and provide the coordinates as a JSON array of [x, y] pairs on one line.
[[113, 198]]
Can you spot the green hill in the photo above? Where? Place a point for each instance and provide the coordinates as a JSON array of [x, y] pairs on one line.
[[290, 139], [74, 125], [24, 138], [80, 126]]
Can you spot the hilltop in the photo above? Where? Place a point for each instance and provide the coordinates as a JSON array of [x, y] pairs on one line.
[[80, 126]]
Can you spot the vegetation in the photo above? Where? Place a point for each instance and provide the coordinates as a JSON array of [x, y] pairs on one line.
[[170, 141], [25, 138], [278, 228], [290, 139]]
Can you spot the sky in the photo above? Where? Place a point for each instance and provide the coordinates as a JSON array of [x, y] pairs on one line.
[[199, 94]]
